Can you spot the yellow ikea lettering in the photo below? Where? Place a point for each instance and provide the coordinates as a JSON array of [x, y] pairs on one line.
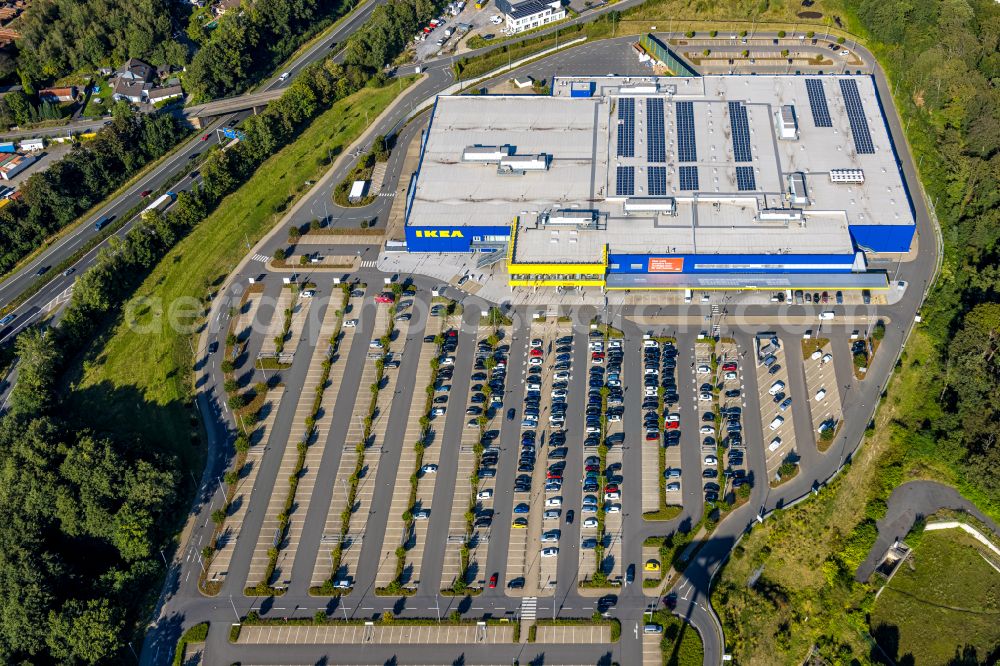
[[440, 234]]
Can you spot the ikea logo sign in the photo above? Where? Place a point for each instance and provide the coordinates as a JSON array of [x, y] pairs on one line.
[[440, 233]]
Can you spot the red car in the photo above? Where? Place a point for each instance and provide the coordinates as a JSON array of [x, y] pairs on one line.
[[553, 475], [145, 193], [652, 436], [537, 353], [597, 357], [592, 468], [383, 298], [493, 581], [672, 425], [611, 488], [729, 367], [205, 138]]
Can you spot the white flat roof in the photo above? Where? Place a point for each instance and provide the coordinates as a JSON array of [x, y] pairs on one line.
[[580, 136]]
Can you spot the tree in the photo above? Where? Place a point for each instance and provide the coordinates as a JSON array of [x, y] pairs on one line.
[[279, 254], [84, 631]]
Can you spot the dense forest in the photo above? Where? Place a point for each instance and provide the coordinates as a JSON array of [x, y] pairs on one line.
[[63, 36], [944, 60], [53, 198], [81, 519], [247, 45]]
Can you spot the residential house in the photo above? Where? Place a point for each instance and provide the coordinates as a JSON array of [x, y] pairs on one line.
[[55, 95], [521, 16], [134, 82], [164, 93], [223, 6]]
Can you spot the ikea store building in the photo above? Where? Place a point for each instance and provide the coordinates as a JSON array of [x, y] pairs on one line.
[[725, 182]]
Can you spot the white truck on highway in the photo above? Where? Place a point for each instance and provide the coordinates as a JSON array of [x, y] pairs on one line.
[[159, 205]]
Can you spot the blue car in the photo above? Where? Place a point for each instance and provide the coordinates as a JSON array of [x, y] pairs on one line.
[[522, 508]]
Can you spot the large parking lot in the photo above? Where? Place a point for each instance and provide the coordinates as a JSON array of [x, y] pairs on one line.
[[533, 431]]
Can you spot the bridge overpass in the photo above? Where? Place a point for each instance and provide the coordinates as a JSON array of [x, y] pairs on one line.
[[221, 107]]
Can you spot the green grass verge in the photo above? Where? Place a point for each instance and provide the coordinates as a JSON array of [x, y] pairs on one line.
[[153, 369], [945, 584], [196, 634], [681, 645]]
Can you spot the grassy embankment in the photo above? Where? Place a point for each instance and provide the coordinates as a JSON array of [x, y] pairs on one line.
[[156, 365], [946, 584]]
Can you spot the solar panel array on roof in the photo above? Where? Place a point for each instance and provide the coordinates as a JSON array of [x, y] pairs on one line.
[[856, 116], [687, 149], [741, 132], [656, 180], [817, 102], [626, 127], [689, 177], [656, 141], [745, 181], [626, 181]]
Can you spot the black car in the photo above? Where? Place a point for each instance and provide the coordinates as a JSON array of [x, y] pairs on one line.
[[213, 347], [558, 454], [569, 517], [510, 414], [516, 584], [606, 603], [733, 393], [773, 370]]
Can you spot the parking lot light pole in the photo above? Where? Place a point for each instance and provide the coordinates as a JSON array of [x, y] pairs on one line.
[[235, 612]]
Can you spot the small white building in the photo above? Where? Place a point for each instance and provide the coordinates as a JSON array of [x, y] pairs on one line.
[[528, 14], [358, 190], [33, 145]]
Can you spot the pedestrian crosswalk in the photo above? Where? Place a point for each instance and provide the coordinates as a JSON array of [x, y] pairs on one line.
[[387, 194], [368, 263], [261, 257], [529, 609]]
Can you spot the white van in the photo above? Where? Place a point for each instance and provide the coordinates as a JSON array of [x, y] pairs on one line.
[[776, 423], [776, 388], [826, 315], [775, 443], [687, 295]]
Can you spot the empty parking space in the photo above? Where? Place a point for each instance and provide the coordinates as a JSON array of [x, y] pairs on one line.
[[277, 322], [776, 397], [374, 450], [823, 391], [271, 531], [560, 634], [310, 470], [323, 569], [457, 534], [394, 535], [651, 653], [259, 440], [360, 634]]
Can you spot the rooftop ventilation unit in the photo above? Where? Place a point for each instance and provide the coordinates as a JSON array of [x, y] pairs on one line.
[[780, 214], [847, 176], [485, 154], [649, 89], [797, 188], [788, 126], [562, 217], [651, 205], [539, 162]]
